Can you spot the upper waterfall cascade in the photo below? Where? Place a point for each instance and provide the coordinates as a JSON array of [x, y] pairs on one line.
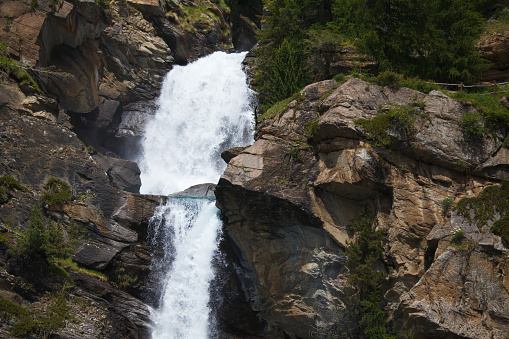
[[204, 108]]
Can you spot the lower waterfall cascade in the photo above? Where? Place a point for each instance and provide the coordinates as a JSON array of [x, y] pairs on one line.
[[204, 108]]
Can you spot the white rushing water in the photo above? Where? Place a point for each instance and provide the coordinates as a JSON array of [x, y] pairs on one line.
[[204, 108]]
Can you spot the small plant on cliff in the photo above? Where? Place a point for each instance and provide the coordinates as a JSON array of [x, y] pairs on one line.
[[506, 142], [13, 68], [7, 185], [70, 265], [366, 275], [472, 126], [104, 4], [446, 205], [311, 127], [457, 235], [57, 191], [491, 116], [33, 5], [222, 5], [10, 183], [282, 106], [35, 239], [46, 238], [122, 278], [8, 22]]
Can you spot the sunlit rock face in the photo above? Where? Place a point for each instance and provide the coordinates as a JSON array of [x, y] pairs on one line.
[[288, 198]]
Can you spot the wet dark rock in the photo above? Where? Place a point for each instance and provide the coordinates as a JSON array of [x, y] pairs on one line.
[[123, 174]]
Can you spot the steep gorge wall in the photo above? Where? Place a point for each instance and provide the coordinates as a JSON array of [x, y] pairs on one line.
[[288, 198], [99, 70]]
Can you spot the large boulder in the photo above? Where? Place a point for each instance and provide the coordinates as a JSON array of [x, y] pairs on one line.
[[123, 174]]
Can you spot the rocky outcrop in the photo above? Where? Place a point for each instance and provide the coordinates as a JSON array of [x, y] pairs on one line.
[[494, 47], [289, 197], [123, 174], [197, 191], [37, 143]]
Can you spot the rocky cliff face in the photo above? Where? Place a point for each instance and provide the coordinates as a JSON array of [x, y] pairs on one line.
[[105, 63], [99, 68], [288, 198], [36, 146]]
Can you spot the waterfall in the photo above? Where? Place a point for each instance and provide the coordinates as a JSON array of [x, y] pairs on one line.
[[204, 108]]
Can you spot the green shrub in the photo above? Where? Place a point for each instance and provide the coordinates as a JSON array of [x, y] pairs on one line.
[[14, 68], [501, 228], [35, 239], [122, 278], [12, 184], [365, 257], [395, 80], [472, 126], [7, 185], [40, 323], [10, 309], [57, 191], [458, 235], [46, 238], [421, 85], [446, 205], [491, 116], [390, 79], [340, 78], [311, 127], [8, 22], [376, 129]]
